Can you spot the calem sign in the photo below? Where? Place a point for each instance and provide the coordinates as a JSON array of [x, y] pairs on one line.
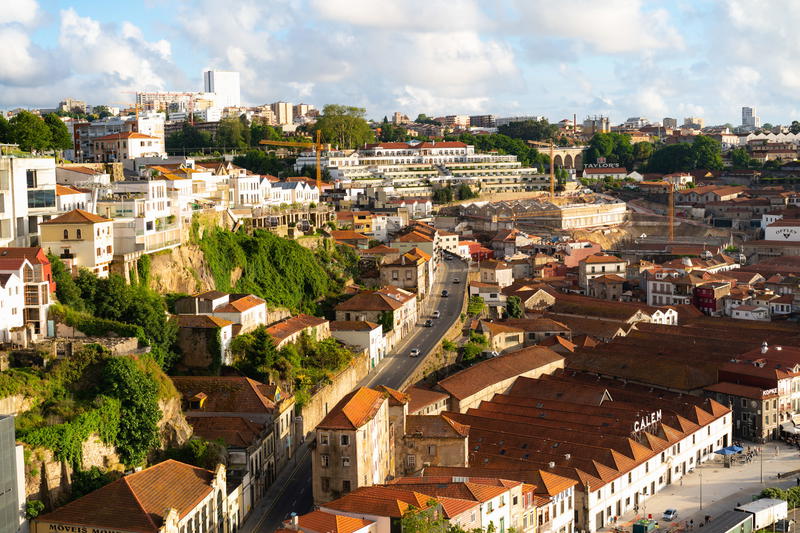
[[647, 421]]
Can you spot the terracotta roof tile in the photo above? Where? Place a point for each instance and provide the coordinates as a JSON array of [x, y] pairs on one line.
[[77, 216], [227, 394], [240, 305], [435, 426], [421, 398], [354, 410], [202, 321], [288, 327], [323, 522], [139, 501], [235, 431]]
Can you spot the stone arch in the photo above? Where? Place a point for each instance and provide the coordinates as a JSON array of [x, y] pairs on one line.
[[568, 161], [558, 162], [579, 161]]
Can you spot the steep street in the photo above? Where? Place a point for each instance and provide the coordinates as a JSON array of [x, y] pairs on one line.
[[291, 492]]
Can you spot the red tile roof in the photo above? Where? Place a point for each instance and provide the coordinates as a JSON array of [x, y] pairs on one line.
[[240, 305], [290, 326], [353, 325], [235, 431], [228, 394], [138, 502], [202, 321], [126, 135], [77, 216], [323, 522], [354, 410]]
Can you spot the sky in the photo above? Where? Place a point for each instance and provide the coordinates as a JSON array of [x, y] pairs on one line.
[[620, 58]]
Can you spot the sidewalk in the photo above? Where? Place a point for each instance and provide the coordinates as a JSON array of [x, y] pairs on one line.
[[722, 488], [262, 509]]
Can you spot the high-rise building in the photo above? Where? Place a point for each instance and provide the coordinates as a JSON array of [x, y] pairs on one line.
[[284, 113], [225, 84], [301, 110], [670, 123], [483, 121], [750, 120], [695, 123], [11, 478]]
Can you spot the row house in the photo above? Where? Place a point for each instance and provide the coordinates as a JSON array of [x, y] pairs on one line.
[[245, 311], [394, 308], [598, 265], [363, 336], [709, 193], [126, 145], [32, 268], [412, 270], [496, 272], [290, 330]]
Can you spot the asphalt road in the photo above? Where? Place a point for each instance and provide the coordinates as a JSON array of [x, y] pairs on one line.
[[392, 371], [398, 365]]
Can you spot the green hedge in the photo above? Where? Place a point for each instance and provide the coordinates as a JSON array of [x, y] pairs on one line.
[[93, 326]]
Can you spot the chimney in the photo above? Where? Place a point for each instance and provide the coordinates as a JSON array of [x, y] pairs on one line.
[[567, 456], [551, 464]]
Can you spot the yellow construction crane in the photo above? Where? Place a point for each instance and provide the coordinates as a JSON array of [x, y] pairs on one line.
[[317, 146]]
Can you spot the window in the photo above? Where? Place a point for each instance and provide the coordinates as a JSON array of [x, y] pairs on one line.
[[323, 460], [514, 501], [432, 449], [41, 199], [411, 461], [78, 234], [323, 439], [30, 176], [345, 461], [346, 485], [66, 234], [344, 440]]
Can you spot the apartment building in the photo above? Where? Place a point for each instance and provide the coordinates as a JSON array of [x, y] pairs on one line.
[[598, 265], [353, 446], [27, 198], [127, 145], [412, 271], [245, 310], [362, 335], [85, 133], [32, 267], [80, 240]]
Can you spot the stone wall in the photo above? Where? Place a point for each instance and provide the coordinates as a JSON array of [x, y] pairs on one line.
[[15, 405], [328, 396]]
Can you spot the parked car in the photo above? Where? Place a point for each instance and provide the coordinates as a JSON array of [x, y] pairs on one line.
[[436, 314], [414, 352], [456, 280], [784, 526], [428, 323], [670, 515], [489, 353], [445, 293]]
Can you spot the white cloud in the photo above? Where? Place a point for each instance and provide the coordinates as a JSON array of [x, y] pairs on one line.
[[609, 27], [409, 97], [22, 12], [18, 61], [405, 15]]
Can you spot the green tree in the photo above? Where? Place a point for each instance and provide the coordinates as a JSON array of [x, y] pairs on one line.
[[386, 319], [740, 158], [137, 392], [260, 131], [530, 130], [67, 291], [101, 111], [199, 452], [59, 134], [261, 162], [465, 192], [642, 151], [706, 153], [231, 134], [614, 147], [86, 481], [443, 195], [189, 139], [5, 130], [514, 307], [344, 126], [30, 132], [33, 508], [767, 126], [422, 118], [255, 354], [795, 127], [671, 158]]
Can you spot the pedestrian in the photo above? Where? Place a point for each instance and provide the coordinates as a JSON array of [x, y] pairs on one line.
[[691, 524], [798, 481]]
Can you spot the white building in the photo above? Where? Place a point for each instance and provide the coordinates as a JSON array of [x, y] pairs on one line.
[[27, 198], [12, 302], [284, 112], [68, 199], [294, 192], [362, 335], [225, 86], [784, 230]]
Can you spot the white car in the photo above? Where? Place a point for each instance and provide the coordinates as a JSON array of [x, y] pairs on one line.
[[414, 352], [436, 314], [670, 515]]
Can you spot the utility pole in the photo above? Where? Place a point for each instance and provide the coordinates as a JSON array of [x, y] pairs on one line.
[[701, 488]]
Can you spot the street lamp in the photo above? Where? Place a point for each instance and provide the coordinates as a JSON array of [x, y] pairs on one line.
[[701, 488]]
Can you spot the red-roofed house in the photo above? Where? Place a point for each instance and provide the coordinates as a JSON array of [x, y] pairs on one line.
[[597, 265], [362, 335], [37, 278], [81, 239], [354, 448], [289, 330], [128, 145]]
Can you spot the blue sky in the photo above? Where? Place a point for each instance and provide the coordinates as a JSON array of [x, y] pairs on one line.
[[617, 57]]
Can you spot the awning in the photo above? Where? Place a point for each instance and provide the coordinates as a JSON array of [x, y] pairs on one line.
[[725, 451], [789, 427], [736, 448]]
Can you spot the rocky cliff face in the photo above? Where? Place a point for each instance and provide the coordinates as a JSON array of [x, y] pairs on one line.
[[181, 270], [50, 480]]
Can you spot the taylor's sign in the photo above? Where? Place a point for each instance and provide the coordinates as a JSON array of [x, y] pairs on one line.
[[600, 165], [647, 421], [786, 233]]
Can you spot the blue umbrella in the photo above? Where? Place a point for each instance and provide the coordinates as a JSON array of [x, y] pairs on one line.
[[736, 449], [725, 451]]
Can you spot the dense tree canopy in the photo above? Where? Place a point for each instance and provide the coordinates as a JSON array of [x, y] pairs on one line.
[[30, 132], [703, 153], [530, 130], [344, 126], [59, 134], [614, 147]]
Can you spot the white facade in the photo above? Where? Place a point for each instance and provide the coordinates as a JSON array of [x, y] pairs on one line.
[[783, 230], [655, 474], [225, 86], [27, 197], [67, 200], [294, 192], [12, 302], [371, 340]]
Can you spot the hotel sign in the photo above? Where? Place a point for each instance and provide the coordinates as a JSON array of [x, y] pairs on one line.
[[647, 421]]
